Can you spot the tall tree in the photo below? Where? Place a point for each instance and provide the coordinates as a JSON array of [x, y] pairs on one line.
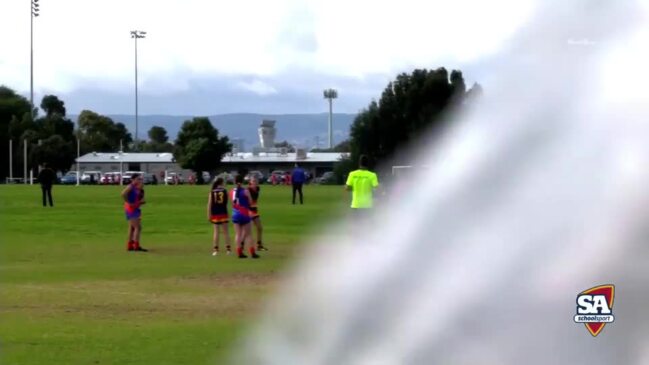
[[158, 141], [31, 138], [118, 132], [56, 138], [158, 134], [99, 133], [52, 105], [48, 138], [55, 125], [14, 120], [457, 83], [410, 105], [11, 105], [199, 147], [55, 122], [56, 152], [156, 147]]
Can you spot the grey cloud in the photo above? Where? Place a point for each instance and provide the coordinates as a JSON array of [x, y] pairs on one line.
[[297, 92]]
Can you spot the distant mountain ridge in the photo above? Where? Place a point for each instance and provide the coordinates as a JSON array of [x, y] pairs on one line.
[[302, 130]]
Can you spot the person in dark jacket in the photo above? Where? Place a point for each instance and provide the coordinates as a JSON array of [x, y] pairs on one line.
[[298, 178], [46, 178]]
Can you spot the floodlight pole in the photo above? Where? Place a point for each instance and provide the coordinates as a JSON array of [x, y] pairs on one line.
[[11, 160], [25, 162], [121, 162], [330, 94], [136, 34], [331, 122], [78, 151], [34, 11], [78, 160]]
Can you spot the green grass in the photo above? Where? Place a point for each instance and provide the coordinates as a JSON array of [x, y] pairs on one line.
[[71, 294]]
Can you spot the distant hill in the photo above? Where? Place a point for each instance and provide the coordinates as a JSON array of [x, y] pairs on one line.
[[299, 129]]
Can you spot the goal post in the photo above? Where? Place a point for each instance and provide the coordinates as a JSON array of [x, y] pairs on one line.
[[398, 171], [403, 176]]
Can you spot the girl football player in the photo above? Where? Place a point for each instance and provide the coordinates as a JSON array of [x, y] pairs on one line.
[[217, 214], [241, 217], [133, 196], [253, 188]]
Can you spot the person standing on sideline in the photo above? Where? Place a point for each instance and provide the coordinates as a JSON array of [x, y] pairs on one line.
[[298, 178], [46, 178], [362, 183]]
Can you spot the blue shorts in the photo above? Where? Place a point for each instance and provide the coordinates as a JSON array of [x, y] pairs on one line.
[[238, 218], [133, 215]]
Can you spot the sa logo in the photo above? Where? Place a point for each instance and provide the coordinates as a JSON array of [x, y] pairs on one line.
[[595, 308]]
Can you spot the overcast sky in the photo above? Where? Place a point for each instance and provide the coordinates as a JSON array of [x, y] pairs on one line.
[[213, 56]]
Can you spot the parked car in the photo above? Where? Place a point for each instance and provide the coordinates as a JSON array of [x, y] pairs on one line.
[[126, 177], [327, 178], [90, 177], [70, 178], [227, 177], [206, 177], [110, 178], [278, 176], [172, 177], [257, 175], [149, 179]]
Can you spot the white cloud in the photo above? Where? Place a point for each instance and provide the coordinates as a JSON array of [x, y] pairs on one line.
[[86, 43], [258, 87]]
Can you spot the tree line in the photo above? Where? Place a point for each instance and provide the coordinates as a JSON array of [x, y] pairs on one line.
[[51, 137], [410, 105]]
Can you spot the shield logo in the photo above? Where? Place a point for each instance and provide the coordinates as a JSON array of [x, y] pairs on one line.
[[595, 308]]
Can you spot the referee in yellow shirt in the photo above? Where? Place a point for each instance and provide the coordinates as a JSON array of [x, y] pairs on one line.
[[362, 183]]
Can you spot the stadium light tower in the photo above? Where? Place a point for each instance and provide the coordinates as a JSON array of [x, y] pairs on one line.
[[331, 94], [136, 34], [34, 11]]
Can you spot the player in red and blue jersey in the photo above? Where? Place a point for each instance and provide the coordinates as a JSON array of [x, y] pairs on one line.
[[241, 217], [253, 188], [133, 196], [217, 214]]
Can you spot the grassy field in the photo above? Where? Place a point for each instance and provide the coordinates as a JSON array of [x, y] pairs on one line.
[[71, 294]]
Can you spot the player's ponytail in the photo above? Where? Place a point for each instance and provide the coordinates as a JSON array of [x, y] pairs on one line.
[[217, 182], [238, 179]]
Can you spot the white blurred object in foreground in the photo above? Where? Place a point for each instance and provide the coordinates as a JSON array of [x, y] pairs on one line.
[[536, 195]]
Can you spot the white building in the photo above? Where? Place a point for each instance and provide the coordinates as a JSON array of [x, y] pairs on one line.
[[265, 158], [157, 163]]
